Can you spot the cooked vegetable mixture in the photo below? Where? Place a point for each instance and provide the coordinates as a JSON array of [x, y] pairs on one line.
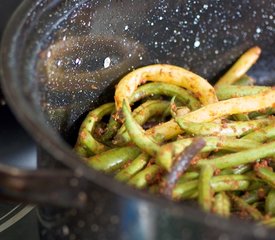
[[170, 132]]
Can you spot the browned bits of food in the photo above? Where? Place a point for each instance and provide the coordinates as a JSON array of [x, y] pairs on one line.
[[170, 132]]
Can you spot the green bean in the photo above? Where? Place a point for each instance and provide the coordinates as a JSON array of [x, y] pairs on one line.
[[242, 205], [255, 185], [165, 131], [251, 197], [245, 80], [113, 159], [231, 177], [243, 157], [237, 170], [240, 67], [256, 195], [232, 91], [167, 89], [268, 112], [181, 111], [218, 153], [218, 184], [205, 197], [141, 115], [263, 134], [269, 222], [145, 177], [230, 185], [242, 169], [134, 167], [267, 175], [233, 144], [188, 176], [167, 152], [147, 110], [222, 129], [230, 182], [226, 171], [111, 129], [240, 117], [188, 194], [86, 144], [222, 204], [193, 194], [177, 111], [270, 203], [173, 107], [182, 190], [82, 150], [165, 114], [137, 134]]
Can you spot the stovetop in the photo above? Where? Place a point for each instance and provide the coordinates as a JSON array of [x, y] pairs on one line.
[[17, 220], [16, 149]]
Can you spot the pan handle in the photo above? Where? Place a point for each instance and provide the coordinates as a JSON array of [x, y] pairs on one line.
[[55, 187]]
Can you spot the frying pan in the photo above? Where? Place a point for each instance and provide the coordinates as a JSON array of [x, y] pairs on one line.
[[62, 58]]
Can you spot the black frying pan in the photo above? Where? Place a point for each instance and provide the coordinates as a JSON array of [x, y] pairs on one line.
[[203, 36]]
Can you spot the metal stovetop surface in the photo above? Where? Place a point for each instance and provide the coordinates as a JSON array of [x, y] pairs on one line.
[[17, 220]]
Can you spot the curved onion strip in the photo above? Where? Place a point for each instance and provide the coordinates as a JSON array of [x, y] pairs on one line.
[[243, 64], [232, 106], [214, 111], [164, 73]]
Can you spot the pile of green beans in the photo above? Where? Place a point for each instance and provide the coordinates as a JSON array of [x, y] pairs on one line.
[[233, 173]]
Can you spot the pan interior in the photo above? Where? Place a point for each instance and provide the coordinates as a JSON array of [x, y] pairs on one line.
[[92, 44]]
